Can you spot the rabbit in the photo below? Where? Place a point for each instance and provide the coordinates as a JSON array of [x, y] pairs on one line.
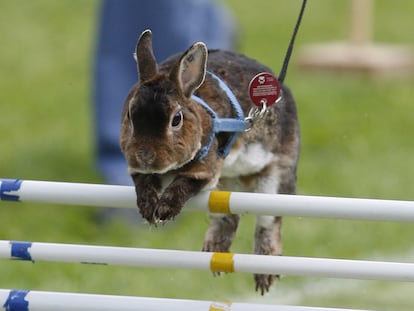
[[163, 130]]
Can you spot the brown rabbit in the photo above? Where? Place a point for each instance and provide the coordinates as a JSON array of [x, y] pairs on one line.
[[172, 155]]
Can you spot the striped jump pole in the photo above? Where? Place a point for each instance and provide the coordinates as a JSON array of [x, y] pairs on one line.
[[215, 262], [24, 300], [214, 201]]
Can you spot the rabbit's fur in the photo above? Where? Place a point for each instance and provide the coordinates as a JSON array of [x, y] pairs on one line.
[[163, 129]]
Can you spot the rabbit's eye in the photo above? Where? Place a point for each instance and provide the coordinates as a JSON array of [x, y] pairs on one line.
[[177, 120]]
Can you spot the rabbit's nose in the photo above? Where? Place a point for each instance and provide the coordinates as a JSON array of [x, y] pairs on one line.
[[147, 156]]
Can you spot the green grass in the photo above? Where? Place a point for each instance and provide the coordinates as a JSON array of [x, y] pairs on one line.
[[356, 142]]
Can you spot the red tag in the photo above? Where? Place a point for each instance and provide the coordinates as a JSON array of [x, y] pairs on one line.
[[264, 88]]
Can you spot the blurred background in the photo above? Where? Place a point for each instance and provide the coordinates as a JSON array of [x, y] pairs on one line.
[[356, 142]]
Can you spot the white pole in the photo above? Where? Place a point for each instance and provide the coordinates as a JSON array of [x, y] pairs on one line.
[[215, 201], [68, 193], [323, 207], [215, 262], [52, 301]]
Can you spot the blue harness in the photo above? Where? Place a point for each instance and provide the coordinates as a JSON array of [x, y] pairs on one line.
[[229, 125]]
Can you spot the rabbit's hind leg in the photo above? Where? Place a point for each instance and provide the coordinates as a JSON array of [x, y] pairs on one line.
[[267, 237], [223, 227], [220, 234], [267, 242]]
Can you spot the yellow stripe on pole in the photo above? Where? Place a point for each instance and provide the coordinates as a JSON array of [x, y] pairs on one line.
[[222, 262], [220, 306], [219, 202]]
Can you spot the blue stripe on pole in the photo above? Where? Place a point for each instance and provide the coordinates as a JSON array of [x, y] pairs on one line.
[[8, 185], [20, 250], [16, 301]]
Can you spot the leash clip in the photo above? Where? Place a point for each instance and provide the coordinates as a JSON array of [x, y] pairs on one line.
[[255, 114]]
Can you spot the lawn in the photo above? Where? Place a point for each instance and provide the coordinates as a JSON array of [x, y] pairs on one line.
[[356, 142]]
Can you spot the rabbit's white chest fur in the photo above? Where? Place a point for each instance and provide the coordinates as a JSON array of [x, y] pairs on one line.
[[247, 160]]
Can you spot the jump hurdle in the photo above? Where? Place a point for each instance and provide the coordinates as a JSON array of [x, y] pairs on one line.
[[19, 300], [208, 261], [215, 201], [16, 190]]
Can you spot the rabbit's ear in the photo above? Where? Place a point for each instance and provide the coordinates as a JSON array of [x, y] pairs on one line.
[[191, 69], [147, 65]]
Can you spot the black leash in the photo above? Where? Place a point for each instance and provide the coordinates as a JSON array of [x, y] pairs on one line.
[[283, 71]]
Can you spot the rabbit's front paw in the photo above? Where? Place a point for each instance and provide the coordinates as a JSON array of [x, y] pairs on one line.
[[168, 207], [147, 203]]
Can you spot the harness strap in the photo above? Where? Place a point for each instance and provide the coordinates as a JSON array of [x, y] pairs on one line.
[[230, 125]]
